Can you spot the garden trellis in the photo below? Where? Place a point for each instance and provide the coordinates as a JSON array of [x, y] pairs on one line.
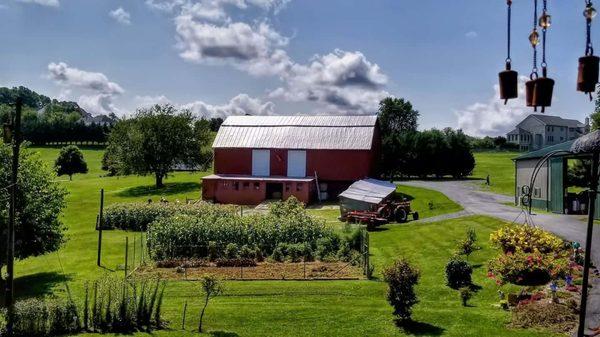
[[539, 89]]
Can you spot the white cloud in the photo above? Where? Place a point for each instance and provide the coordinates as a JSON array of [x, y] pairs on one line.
[[48, 3], [471, 35], [241, 104], [121, 16], [343, 81], [493, 118], [99, 91], [68, 76]]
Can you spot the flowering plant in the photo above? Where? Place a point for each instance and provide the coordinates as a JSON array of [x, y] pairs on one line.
[[527, 239], [528, 268]]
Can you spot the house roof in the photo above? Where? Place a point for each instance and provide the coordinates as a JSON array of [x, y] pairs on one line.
[[369, 190], [518, 131], [558, 121], [566, 146], [297, 132]]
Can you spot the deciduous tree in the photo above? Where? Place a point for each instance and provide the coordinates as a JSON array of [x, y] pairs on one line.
[[70, 161]]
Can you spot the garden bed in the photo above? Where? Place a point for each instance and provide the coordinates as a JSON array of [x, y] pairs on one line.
[[315, 270]]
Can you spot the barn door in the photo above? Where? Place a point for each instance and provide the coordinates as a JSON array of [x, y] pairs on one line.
[[557, 185], [261, 163], [296, 164]]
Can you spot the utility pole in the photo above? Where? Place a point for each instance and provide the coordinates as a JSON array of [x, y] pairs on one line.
[[10, 254]]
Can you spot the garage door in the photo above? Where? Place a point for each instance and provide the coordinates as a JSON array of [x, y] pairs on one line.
[[261, 162], [296, 164]]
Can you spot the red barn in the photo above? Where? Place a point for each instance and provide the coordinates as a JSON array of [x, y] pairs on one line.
[[274, 157]]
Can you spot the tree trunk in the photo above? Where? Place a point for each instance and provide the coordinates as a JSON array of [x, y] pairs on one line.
[[202, 314], [159, 180]]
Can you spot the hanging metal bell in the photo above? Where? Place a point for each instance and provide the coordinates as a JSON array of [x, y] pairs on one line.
[[542, 93], [588, 73], [529, 91], [508, 84]]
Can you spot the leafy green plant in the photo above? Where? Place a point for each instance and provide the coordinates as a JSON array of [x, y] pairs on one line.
[[458, 273], [527, 239], [401, 278], [231, 251], [528, 268], [465, 295], [247, 253], [70, 161], [211, 287]]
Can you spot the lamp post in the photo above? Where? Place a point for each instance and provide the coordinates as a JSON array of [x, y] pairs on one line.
[[14, 132]]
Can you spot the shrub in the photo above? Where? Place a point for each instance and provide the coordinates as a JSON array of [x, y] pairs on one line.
[[401, 278], [247, 253], [171, 237], [2, 321], [465, 295], [528, 268], [528, 239], [458, 273], [258, 254], [213, 252], [327, 247], [231, 251], [137, 216], [278, 255]]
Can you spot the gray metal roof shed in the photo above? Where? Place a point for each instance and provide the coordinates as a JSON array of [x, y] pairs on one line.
[[364, 194]]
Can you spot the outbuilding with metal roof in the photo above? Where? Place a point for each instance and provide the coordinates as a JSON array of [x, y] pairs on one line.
[[275, 157]]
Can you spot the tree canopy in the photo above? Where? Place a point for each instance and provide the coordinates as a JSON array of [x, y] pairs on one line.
[[409, 152], [40, 201], [70, 161], [157, 140]]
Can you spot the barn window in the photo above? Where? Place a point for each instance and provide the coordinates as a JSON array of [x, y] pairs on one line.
[[257, 186], [236, 185], [537, 192], [246, 185], [299, 187], [225, 185], [288, 187]]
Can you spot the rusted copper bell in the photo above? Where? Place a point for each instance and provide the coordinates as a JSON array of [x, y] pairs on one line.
[[588, 74], [542, 93], [508, 84], [529, 89]]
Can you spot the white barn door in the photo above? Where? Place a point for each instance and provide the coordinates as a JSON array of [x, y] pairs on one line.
[[296, 164], [261, 163]]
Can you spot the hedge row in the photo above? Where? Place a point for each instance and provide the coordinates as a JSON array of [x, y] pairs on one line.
[[137, 216]]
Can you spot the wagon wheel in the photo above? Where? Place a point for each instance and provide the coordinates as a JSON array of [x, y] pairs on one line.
[[401, 215]]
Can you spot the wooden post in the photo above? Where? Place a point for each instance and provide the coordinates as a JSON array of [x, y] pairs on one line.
[[588, 245], [134, 247], [126, 253], [10, 247], [184, 313], [100, 225]]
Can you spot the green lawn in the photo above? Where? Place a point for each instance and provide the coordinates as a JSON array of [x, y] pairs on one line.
[[282, 308], [500, 168]]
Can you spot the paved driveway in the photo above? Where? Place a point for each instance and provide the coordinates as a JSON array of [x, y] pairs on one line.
[[474, 201]]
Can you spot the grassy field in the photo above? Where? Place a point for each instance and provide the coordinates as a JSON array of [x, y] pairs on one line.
[[281, 308], [500, 168]]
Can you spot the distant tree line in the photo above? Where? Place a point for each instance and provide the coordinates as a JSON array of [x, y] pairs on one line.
[[407, 152], [492, 143]]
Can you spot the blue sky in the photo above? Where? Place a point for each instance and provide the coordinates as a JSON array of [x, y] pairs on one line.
[[220, 57]]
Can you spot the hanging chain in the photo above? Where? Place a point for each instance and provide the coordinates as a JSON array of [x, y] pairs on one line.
[[534, 71], [509, 3], [589, 47], [544, 29]]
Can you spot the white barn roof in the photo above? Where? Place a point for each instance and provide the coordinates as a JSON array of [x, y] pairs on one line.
[[297, 132], [371, 191]]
